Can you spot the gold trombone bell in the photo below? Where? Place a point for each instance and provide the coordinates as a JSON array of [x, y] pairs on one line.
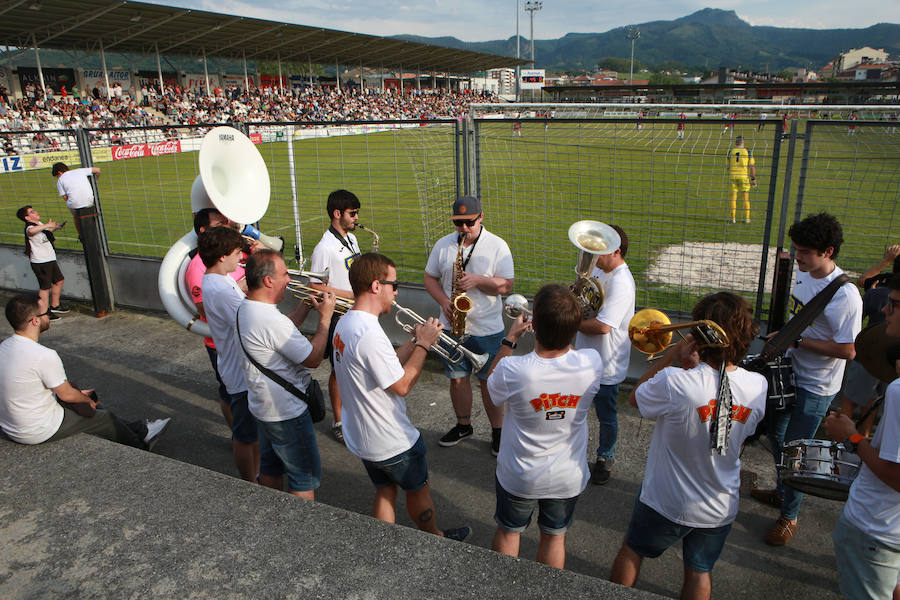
[[651, 332]]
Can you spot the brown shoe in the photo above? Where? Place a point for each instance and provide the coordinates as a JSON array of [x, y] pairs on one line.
[[769, 497], [781, 533]]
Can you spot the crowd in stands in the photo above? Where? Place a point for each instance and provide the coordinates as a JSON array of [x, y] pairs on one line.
[[174, 106]]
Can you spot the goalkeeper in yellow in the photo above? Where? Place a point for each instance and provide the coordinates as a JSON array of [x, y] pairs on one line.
[[741, 176]]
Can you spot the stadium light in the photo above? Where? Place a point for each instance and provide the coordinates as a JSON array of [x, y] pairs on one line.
[[532, 7], [632, 34]]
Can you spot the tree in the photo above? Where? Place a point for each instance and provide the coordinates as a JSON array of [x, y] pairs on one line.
[[620, 65]]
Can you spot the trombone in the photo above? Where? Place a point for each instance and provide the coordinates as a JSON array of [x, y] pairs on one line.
[[452, 350], [650, 331], [305, 293]]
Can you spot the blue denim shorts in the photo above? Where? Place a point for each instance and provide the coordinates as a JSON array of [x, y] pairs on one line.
[[409, 469], [650, 534], [243, 423], [290, 447], [513, 514], [867, 568], [479, 344]]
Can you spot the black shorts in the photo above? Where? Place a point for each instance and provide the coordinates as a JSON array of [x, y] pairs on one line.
[[47, 274]]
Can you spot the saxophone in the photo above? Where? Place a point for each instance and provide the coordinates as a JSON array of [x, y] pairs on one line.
[[461, 303]]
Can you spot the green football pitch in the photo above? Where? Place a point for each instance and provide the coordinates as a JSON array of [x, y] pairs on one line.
[[667, 193]]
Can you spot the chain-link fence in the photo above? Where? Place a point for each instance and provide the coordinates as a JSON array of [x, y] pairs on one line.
[[663, 178]]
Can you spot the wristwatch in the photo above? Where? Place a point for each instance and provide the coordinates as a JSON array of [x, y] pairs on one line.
[[508, 344], [852, 442]]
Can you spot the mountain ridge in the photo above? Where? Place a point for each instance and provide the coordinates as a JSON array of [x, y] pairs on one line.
[[706, 39]]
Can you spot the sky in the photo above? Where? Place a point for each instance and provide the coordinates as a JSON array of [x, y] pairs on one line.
[[483, 20]]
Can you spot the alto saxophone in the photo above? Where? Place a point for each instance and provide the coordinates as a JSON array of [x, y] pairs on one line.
[[375, 238], [460, 302]]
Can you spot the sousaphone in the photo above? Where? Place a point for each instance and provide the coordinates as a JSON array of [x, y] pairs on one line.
[[234, 180]]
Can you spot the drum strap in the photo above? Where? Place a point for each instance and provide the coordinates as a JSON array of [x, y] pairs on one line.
[[720, 426], [875, 406]]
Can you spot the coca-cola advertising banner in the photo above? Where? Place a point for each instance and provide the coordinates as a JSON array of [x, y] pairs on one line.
[[142, 150], [271, 81]]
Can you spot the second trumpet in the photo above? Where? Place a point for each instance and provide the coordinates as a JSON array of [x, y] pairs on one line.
[[452, 350]]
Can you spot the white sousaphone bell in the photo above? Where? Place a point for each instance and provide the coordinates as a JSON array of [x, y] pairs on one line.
[[234, 180]]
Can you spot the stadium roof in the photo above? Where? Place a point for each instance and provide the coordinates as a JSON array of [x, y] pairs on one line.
[[137, 27]]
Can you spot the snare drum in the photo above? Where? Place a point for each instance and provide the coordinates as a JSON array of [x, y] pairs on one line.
[[818, 467]]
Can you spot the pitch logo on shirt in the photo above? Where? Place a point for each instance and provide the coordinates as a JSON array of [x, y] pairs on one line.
[[546, 402], [738, 413], [338, 344]]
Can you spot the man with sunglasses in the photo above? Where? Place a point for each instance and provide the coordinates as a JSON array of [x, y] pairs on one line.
[[487, 273], [32, 379], [374, 379], [818, 355], [336, 251], [867, 535]]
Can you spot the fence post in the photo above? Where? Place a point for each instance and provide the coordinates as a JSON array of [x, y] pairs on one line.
[[770, 209], [93, 237], [778, 304]]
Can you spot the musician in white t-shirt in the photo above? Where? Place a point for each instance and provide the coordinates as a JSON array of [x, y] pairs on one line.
[[336, 251], [374, 380], [690, 488], [487, 272], [546, 396], [867, 536], [220, 250], [818, 355], [607, 333], [287, 440]]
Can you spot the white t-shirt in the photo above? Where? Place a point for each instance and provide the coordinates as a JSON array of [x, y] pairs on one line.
[[841, 321], [29, 412], [685, 480], [74, 184], [490, 257], [277, 344], [42, 250], [543, 450], [617, 310], [874, 506], [221, 298], [331, 253], [375, 424]]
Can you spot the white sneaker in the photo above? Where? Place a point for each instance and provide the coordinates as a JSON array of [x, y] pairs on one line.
[[155, 429]]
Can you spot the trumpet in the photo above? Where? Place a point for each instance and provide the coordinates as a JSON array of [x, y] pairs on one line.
[[452, 350], [515, 305], [375, 238], [651, 331]]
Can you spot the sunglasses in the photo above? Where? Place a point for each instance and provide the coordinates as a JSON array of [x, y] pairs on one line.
[[352, 213], [892, 305], [469, 223], [393, 284], [43, 314]]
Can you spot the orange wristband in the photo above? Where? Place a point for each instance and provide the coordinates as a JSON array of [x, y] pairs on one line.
[[857, 438]]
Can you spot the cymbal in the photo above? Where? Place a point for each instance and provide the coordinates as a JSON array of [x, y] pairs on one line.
[[873, 348]]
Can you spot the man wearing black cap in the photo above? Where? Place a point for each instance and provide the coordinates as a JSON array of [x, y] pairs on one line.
[[486, 273]]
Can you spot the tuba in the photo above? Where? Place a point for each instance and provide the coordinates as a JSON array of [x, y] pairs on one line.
[[650, 331], [234, 180], [460, 302], [592, 238]]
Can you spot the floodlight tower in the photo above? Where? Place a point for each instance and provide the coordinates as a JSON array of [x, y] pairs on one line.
[[532, 7], [632, 34], [518, 54]]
